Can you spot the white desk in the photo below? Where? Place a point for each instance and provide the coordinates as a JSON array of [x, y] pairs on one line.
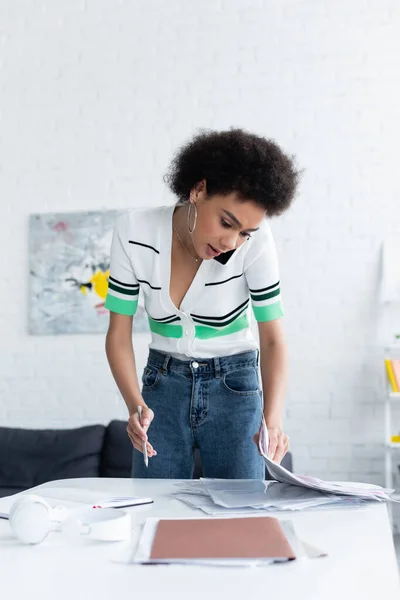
[[361, 561]]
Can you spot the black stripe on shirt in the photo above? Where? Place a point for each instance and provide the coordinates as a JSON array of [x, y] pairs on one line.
[[170, 319], [266, 288], [221, 323], [144, 246], [225, 280], [128, 285], [243, 305], [149, 284]]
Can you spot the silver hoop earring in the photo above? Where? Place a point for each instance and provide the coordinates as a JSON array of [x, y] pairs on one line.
[[195, 217]]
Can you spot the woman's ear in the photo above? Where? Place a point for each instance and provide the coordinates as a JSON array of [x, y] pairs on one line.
[[199, 191]]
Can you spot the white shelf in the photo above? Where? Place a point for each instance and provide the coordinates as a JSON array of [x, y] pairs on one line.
[[390, 400]]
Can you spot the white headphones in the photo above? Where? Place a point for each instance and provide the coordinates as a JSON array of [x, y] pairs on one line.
[[31, 519]]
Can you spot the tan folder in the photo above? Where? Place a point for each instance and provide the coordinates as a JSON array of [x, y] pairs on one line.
[[235, 538]]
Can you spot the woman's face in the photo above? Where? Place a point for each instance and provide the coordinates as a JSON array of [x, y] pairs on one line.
[[223, 223]]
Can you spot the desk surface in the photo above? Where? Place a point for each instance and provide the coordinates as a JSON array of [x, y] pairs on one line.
[[361, 561]]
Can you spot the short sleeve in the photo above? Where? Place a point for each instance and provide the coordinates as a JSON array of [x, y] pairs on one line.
[[262, 275], [123, 287]]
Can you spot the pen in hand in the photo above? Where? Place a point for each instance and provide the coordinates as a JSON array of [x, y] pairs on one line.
[[144, 444]]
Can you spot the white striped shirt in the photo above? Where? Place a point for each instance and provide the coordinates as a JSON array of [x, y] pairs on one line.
[[213, 318]]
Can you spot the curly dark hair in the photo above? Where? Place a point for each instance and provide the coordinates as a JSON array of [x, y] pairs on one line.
[[235, 161]]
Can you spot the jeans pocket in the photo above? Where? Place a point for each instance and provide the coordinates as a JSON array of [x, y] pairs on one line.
[[243, 382], [150, 377]]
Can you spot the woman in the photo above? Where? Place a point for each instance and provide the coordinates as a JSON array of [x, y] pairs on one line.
[[199, 265]]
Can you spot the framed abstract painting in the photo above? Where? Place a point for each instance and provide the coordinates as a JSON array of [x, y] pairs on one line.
[[69, 260]]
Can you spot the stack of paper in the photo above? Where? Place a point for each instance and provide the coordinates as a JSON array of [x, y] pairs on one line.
[[287, 492], [227, 497], [195, 494], [363, 491], [273, 495]]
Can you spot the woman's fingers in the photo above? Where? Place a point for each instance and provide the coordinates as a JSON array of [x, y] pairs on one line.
[[134, 423], [138, 445], [273, 443], [135, 427], [147, 417], [282, 448], [137, 434], [278, 443]]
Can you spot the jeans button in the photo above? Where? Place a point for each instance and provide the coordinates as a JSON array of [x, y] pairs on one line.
[[195, 364]]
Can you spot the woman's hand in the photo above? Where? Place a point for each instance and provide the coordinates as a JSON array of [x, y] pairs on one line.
[[278, 443], [137, 434]]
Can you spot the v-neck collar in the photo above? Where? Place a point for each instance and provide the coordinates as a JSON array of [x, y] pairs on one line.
[[199, 280]]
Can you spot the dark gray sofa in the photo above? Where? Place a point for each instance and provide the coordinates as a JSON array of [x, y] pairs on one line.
[[29, 457]]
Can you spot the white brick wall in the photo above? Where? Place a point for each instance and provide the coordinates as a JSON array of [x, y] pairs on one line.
[[94, 98]]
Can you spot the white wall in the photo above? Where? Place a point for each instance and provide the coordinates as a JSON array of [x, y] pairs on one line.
[[94, 98]]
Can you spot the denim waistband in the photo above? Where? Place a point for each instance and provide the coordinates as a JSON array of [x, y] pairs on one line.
[[215, 366]]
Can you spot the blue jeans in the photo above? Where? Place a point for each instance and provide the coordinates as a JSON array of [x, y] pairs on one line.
[[212, 404]]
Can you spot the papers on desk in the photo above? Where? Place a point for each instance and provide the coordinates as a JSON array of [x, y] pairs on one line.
[[362, 491], [287, 492], [234, 497]]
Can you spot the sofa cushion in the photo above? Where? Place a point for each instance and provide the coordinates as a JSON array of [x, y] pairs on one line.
[[116, 458], [10, 491], [29, 457]]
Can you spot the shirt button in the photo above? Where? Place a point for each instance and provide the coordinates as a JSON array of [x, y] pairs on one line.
[[187, 331]]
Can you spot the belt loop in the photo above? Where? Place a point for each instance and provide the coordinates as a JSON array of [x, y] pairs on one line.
[[217, 367], [258, 358], [164, 368]]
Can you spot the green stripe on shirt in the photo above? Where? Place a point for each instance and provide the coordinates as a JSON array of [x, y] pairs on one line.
[[269, 312], [122, 307], [205, 333], [165, 329], [215, 324]]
